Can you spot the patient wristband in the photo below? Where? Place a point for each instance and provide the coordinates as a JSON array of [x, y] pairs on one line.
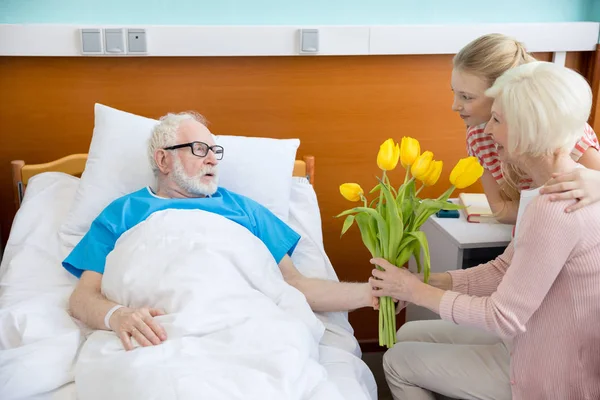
[[109, 314]]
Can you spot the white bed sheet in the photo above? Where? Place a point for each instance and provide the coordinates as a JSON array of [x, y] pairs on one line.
[[34, 291]]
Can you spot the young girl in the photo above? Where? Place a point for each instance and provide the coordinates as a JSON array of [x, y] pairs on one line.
[[476, 68]]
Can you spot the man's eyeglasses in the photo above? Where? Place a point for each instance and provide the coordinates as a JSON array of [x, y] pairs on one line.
[[200, 149]]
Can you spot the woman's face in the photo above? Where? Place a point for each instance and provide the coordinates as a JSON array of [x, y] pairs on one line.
[[470, 100], [498, 130]]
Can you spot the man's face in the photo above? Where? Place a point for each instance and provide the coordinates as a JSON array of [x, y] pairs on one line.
[[198, 176]]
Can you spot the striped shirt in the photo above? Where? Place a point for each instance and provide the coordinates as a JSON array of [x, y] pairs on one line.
[[482, 146]]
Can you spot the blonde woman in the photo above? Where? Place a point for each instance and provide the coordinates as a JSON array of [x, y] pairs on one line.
[[542, 295], [476, 67]]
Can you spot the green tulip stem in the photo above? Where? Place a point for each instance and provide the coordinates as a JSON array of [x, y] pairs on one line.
[[364, 199], [419, 191], [381, 195], [381, 322]]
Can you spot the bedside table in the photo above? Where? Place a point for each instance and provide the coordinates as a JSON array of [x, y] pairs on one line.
[[454, 244]]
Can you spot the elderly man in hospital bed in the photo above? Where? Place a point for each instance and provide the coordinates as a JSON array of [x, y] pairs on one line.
[[199, 283]]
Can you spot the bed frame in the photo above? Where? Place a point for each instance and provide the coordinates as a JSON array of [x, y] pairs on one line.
[[74, 164]]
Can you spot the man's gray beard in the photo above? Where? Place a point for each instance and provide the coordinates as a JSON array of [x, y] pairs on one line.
[[192, 184]]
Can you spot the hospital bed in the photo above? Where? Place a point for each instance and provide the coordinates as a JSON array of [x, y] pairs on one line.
[[34, 288]]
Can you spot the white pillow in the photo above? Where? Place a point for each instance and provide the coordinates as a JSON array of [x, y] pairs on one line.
[[118, 164], [259, 168]]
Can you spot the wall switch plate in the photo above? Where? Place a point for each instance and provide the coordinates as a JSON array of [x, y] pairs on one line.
[[136, 41], [309, 41], [114, 41], [91, 41]]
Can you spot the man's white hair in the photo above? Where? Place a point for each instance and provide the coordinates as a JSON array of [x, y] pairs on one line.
[[545, 106], [164, 134]]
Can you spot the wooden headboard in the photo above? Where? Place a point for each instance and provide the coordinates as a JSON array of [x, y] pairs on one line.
[[74, 164]]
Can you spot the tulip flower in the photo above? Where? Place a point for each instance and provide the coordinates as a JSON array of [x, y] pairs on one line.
[[435, 170], [389, 153], [351, 191], [466, 172], [410, 149], [421, 166]]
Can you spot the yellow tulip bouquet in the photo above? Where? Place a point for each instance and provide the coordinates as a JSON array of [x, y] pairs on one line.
[[390, 223]]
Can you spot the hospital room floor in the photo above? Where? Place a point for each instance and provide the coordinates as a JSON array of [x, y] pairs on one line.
[[375, 362]]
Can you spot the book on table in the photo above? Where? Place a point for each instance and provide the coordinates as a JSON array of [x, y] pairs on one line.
[[477, 208]]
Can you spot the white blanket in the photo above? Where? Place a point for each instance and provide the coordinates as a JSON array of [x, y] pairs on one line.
[[235, 329]]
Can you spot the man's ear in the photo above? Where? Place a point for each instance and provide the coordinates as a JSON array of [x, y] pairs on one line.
[[163, 160]]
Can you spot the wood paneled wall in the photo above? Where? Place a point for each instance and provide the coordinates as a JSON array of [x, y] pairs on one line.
[[341, 108]]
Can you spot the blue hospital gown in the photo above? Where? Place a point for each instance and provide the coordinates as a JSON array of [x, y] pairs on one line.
[[128, 211]]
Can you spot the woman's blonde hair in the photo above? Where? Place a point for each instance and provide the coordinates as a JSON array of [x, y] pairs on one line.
[[490, 56], [545, 106]]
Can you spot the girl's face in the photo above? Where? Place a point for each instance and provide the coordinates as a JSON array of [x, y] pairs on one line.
[[498, 130], [470, 100]]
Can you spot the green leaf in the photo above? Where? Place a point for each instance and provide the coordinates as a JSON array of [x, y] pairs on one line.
[[452, 206], [406, 242], [417, 253], [347, 224], [376, 188], [407, 211], [422, 240], [390, 187], [367, 234], [384, 235], [380, 222], [373, 201], [394, 221], [411, 188], [440, 205], [347, 212], [446, 195], [404, 255], [356, 210], [428, 207]]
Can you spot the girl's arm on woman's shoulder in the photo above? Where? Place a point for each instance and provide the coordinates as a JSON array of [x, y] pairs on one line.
[[505, 210], [589, 147], [590, 159], [581, 185]]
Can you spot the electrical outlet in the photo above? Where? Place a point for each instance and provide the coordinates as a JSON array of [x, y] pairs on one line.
[[309, 41], [114, 42], [91, 41], [136, 41]]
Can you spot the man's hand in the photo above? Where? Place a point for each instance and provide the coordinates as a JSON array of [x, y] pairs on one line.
[[400, 305], [138, 323], [369, 299]]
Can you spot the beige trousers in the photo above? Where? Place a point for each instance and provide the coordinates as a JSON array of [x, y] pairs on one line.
[[441, 357]]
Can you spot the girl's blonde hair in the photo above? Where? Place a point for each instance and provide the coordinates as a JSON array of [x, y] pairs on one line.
[[488, 57]]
